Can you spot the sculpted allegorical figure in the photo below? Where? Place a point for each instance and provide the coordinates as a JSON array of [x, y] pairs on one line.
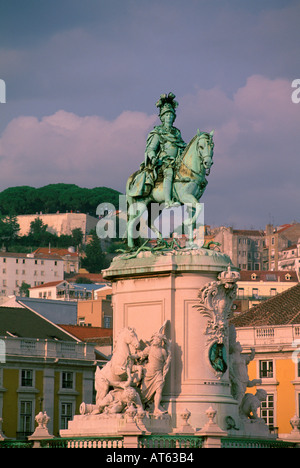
[[251, 404], [239, 371], [158, 356]]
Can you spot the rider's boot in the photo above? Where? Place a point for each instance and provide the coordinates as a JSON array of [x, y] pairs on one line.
[[167, 187]]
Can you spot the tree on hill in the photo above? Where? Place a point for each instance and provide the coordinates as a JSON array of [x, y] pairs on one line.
[[95, 259], [9, 229], [56, 197]]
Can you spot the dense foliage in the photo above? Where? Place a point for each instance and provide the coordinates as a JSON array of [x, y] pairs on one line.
[[55, 197]]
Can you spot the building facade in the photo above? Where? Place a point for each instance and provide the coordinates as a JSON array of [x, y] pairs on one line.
[[69, 256], [19, 268], [272, 328], [59, 223], [42, 368], [289, 258], [277, 239], [43, 375], [244, 247], [257, 286]]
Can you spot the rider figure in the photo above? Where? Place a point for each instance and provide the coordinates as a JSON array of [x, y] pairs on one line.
[[165, 145]]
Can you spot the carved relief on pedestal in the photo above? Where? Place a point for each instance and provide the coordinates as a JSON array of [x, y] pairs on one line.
[[134, 377], [215, 301]]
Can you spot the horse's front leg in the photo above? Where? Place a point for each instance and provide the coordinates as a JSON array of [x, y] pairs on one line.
[[194, 209], [135, 211]]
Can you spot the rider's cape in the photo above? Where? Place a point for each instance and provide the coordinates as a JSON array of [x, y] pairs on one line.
[[144, 179]]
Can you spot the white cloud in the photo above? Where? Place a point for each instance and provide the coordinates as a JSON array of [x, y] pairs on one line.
[[257, 142], [64, 147]]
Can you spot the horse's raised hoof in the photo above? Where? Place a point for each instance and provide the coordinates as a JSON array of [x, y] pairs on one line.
[[171, 204]]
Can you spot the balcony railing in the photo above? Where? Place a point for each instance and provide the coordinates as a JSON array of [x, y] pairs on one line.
[[264, 335], [48, 348]]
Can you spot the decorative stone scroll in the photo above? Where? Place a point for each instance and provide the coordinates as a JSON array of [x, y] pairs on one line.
[[215, 301]]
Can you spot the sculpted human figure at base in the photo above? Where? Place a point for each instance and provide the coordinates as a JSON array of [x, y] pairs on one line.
[[239, 371], [158, 357]]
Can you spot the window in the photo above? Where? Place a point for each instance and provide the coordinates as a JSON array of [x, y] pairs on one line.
[[266, 369], [255, 292], [107, 321], [273, 292], [65, 415], [267, 411], [25, 417], [67, 380], [26, 378], [241, 292]]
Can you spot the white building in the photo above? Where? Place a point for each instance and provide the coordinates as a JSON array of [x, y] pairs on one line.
[[289, 258], [18, 268], [59, 223]]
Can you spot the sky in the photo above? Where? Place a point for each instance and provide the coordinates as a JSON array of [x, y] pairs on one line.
[[83, 76]]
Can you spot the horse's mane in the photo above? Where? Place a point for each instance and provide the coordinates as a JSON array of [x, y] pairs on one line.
[[120, 333], [186, 149]]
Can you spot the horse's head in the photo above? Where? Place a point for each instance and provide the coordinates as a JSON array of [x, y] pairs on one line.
[[130, 337], [205, 149]]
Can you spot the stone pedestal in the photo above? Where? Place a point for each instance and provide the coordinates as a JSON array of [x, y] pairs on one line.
[[95, 425], [152, 288]]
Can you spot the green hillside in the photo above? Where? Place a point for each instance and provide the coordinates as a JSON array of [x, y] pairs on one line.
[[55, 197]]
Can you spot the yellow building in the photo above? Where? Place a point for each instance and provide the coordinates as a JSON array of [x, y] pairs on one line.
[[272, 328], [256, 286], [42, 367]]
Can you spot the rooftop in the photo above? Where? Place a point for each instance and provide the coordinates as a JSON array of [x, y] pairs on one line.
[[88, 333], [53, 251], [283, 309], [261, 275], [25, 323]]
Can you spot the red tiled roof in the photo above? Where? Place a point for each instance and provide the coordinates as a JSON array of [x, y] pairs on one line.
[[88, 333], [283, 309], [95, 277], [248, 232], [284, 227], [48, 285], [292, 247], [53, 251]]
